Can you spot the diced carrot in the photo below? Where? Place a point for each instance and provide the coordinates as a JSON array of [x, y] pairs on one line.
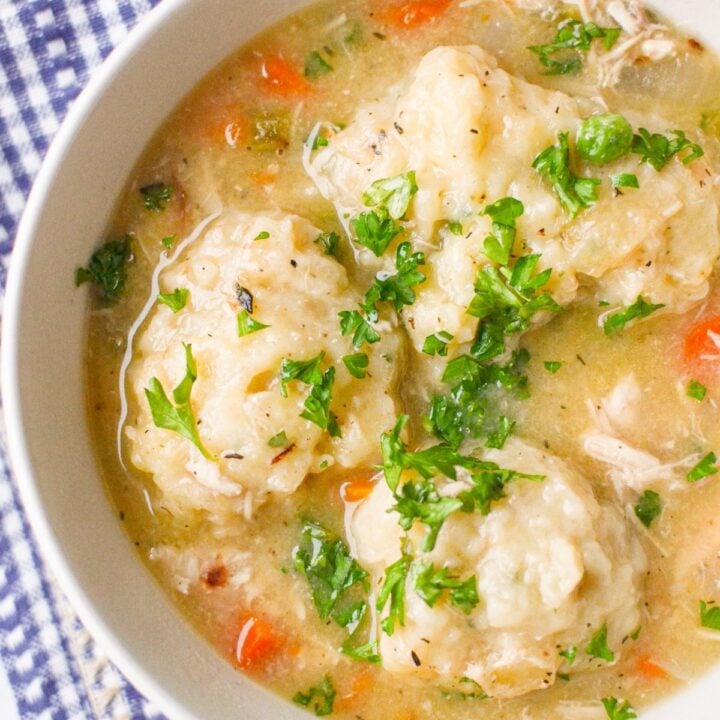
[[264, 177], [282, 77], [257, 643], [413, 13], [701, 349], [357, 490], [648, 669]]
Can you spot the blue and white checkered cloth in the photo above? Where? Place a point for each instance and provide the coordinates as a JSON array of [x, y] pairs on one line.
[[51, 669]]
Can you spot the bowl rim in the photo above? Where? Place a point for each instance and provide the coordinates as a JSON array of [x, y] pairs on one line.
[[20, 462]]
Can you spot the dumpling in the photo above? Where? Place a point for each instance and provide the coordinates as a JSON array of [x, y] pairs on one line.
[[269, 261], [554, 566]]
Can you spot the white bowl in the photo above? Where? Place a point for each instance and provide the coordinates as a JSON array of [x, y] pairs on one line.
[[43, 339]]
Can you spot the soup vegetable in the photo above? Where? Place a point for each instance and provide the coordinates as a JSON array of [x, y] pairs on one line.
[[403, 359]]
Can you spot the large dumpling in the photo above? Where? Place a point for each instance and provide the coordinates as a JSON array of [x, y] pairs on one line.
[[471, 131], [554, 567], [268, 262]]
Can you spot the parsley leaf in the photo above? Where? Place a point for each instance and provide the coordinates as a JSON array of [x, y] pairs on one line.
[[598, 647], [368, 652], [331, 573], [473, 691], [618, 320], [106, 268], [330, 243], [156, 196], [498, 246], [574, 193], [552, 366], [657, 150], [306, 371], [572, 35], [430, 583], [393, 589], [503, 429], [316, 65], [624, 180], [570, 653], [705, 468], [437, 344], [247, 325], [178, 417], [709, 616], [375, 230], [317, 404], [320, 698], [278, 440], [168, 241], [648, 508], [175, 300], [696, 390], [356, 364], [393, 194], [351, 321], [617, 710], [488, 486], [262, 235]]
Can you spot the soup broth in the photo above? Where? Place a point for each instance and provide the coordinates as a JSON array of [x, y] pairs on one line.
[[605, 392]]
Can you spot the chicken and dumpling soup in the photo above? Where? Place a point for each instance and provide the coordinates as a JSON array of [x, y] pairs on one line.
[[403, 359]]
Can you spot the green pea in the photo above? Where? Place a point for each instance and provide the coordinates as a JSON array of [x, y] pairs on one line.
[[604, 138]]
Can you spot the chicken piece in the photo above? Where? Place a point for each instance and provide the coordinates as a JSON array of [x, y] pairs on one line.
[[553, 566]]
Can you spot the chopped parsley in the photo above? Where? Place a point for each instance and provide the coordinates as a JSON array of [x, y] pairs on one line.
[[392, 194], [709, 616], [437, 344], [499, 244], [455, 227], [320, 697], [572, 36], [497, 438], [467, 689], [306, 371], [393, 589], [657, 150], [488, 486], [247, 325], [177, 417], [329, 242], [598, 647], [615, 322], [367, 652], [351, 321], [356, 364], [175, 300], [316, 65], [574, 193], [156, 196], [705, 468], [336, 581], [570, 653], [617, 710], [604, 138], [106, 268], [375, 230], [552, 366], [648, 508], [624, 180], [168, 241], [262, 235], [430, 584], [696, 390], [279, 440]]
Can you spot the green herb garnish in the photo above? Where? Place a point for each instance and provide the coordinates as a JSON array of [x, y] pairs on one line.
[[705, 468], [316, 65], [639, 309], [175, 300], [430, 584], [156, 196], [330, 243], [624, 180], [498, 245], [709, 616], [247, 325], [648, 508], [392, 194], [262, 235], [356, 364], [320, 698], [375, 230], [657, 150], [351, 321], [598, 647], [393, 589], [570, 653], [617, 710], [437, 344], [106, 268], [696, 390], [279, 440], [552, 366]]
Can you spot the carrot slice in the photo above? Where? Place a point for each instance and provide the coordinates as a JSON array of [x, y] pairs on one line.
[[357, 490], [257, 643], [701, 348], [283, 78], [413, 13], [648, 669]]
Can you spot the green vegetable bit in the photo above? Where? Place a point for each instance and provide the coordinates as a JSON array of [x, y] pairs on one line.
[[106, 268], [430, 584], [175, 300], [617, 321], [648, 508], [375, 230], [696, 390], [572, 35], [247, 325], [367, 652], [156, 196], [279, 440], [393, 589], [657, 150], [168, 241], [356, 364], [499, 244], [178, 417], [598, 647], [709, 615], [393, 194], [329, 242], [624, 180], [604, 138], [552, 366], [705, 468], [437, 344], [617, 710], [320, 698], [570, 653], [306, 371], [574, 193], [351, 321], [316, 65], [262, 235]]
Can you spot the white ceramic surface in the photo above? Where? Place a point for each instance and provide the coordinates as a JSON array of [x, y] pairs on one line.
[[43, 340]]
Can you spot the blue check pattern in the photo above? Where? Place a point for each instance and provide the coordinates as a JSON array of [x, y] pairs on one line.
[[48, 50]]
